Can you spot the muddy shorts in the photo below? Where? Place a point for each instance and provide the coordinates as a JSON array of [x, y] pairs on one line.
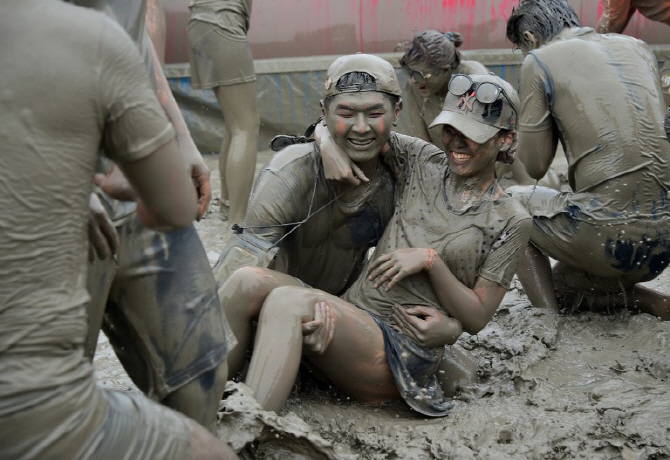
[[415, 372], [161, 308], [81, 421], [218, 56], [595, 257]]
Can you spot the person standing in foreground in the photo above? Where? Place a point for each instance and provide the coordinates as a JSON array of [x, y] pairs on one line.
[[613, 230], [221, 60], [50, 405], [442, 266], [157, 302]]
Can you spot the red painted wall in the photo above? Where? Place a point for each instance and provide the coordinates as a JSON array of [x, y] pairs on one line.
[[285, 28]]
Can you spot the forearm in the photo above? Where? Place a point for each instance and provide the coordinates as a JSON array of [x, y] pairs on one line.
[[461, 302], [187, 147]]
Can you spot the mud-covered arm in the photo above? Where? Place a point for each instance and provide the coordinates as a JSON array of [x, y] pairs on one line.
[[137, 135], [537, 140], [198, 169], [615, 17], [475, 307]]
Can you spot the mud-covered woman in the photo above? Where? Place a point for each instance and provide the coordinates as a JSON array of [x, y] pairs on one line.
[[431, 58], [441, 267]]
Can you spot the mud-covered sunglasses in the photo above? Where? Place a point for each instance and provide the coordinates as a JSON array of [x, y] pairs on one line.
[[417, 75], [486, 92]]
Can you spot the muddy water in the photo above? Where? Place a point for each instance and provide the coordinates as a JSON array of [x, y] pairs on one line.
[[600, 390]]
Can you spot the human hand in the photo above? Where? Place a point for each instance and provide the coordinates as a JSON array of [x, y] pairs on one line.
[[337, 165], [115, 184], [102, 236], [200, 174], [400, 264], [428, 326], [318, 333]]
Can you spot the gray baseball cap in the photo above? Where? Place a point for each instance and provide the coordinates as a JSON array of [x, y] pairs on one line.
[[380, 69], [476, 120]]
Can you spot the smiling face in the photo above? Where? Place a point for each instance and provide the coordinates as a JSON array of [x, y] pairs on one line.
[[435, 80], [360, 123], [466, 157]]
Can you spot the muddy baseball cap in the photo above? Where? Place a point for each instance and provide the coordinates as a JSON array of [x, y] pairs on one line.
[[479, 106], [380, 69]]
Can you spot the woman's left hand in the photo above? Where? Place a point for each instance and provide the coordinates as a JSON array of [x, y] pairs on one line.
[[428, 326], [399, 264]]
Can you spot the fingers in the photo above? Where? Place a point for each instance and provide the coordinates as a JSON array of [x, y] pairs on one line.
[[358, 173], [201, 174], [319, 333], [406, 327], [375, 267], [110, 235], [98, 242]]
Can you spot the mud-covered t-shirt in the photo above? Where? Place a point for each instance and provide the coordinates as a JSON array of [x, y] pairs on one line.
[[611, 126], [72, 82], [327, 250], [231, 16], [485, 240], [419, 112]]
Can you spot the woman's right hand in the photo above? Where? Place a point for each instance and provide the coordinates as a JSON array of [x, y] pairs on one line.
[[337, 165], [428, 326]]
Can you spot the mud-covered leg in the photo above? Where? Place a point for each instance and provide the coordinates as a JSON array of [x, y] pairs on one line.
[[355, 360], [242, 296], [237, 163]]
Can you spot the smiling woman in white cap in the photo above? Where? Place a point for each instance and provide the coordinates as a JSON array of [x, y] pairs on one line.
[[442, 266]]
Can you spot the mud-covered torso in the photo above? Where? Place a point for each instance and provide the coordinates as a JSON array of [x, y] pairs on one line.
[[327, 251], [419, 112], [612, 127], [484, 240]]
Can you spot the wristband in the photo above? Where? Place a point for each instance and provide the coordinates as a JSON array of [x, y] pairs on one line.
[[429, 259]]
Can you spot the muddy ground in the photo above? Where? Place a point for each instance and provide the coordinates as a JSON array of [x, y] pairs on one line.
[[598, 390]]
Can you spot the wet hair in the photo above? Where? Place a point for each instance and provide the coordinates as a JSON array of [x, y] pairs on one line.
[[434, 47], [358, 81], [543, 18]]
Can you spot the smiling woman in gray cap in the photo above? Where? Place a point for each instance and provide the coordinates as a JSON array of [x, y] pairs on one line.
[[441, 267]]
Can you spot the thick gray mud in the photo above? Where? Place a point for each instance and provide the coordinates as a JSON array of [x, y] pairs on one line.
[[598, 390]]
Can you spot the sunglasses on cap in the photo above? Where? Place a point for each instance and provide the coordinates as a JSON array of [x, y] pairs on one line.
[[417, 75], [485, 92]]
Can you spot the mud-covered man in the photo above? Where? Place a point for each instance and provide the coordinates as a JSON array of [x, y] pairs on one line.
[[323, 228], [612, 232]]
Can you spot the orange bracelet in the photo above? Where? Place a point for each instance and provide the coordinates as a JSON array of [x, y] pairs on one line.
[[429, 259]]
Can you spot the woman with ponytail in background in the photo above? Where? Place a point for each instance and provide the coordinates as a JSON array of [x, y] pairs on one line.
[[430, 60]]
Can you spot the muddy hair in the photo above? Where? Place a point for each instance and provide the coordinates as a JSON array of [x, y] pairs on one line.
[[434, 47], [543, 18], [358, 81]]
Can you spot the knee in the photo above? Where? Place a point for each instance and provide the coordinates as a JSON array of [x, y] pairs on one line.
[[246, 286], [288, 303]]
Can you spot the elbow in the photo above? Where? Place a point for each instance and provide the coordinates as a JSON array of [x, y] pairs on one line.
[[474, 327], [536, 173]]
